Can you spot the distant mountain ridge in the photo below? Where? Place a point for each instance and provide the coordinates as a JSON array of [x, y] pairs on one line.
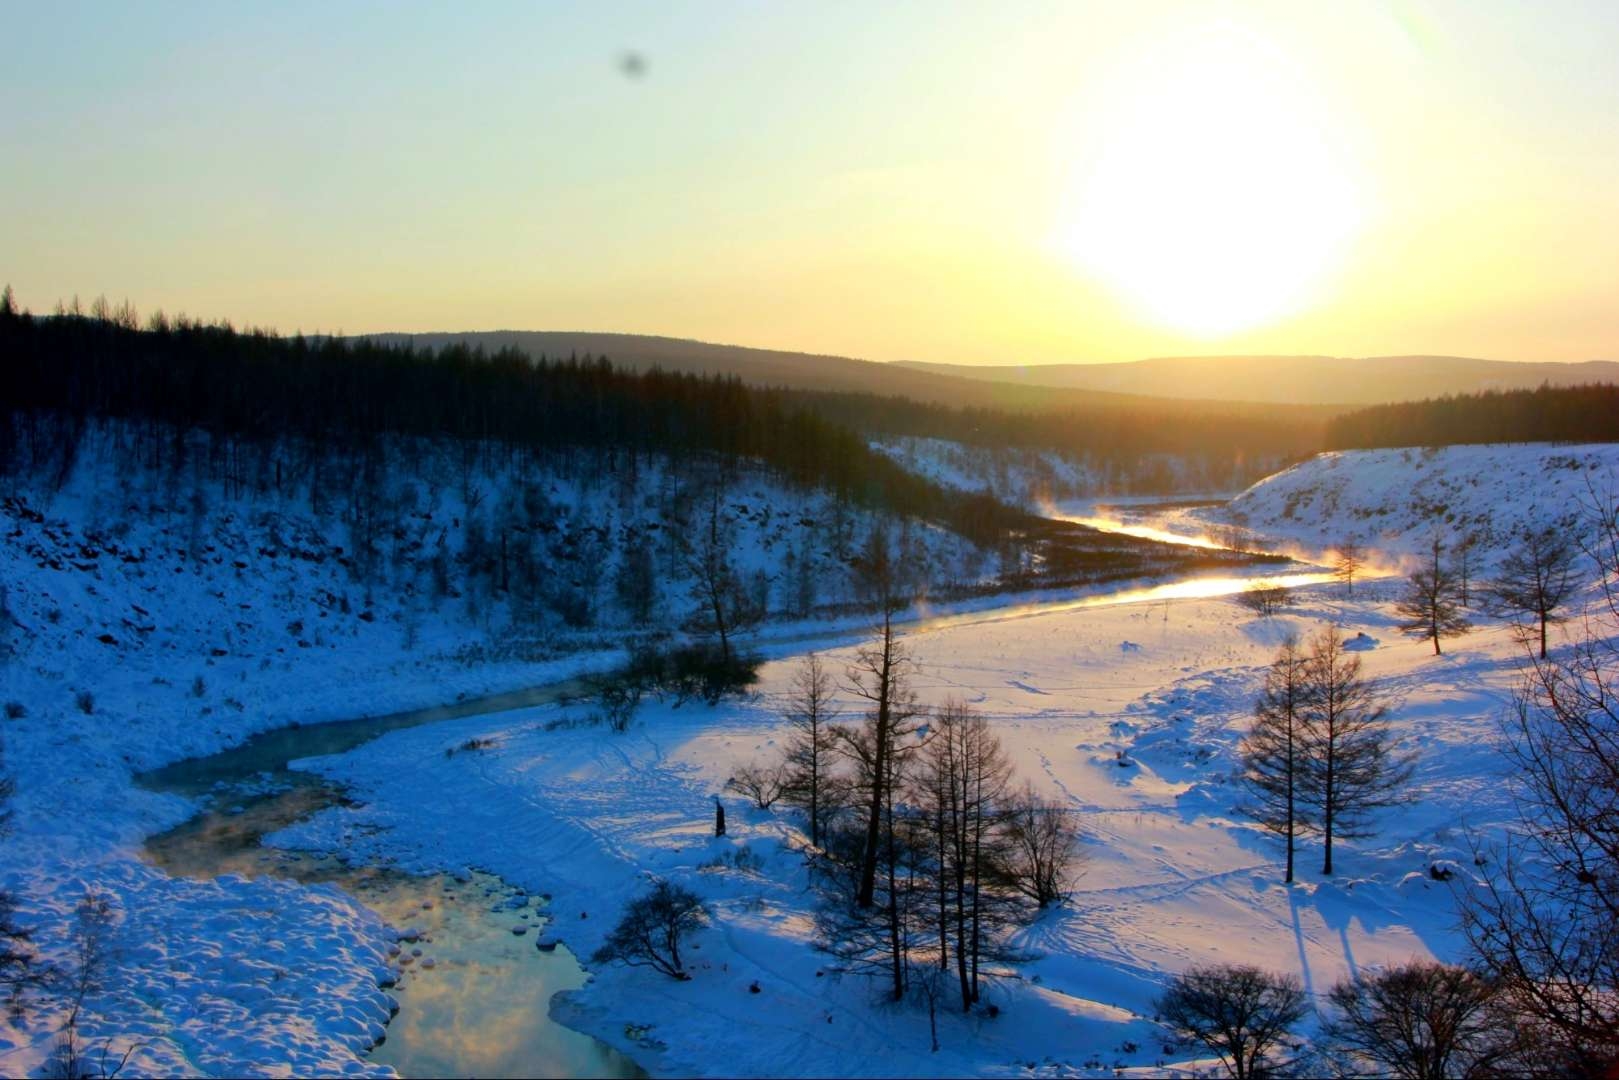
[[1344, 382], [1292, 380], [808, 371]]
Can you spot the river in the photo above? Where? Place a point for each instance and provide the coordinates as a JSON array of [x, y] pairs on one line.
[[473, 994]]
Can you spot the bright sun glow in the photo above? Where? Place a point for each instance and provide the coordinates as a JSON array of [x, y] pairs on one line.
[[1217, 200]]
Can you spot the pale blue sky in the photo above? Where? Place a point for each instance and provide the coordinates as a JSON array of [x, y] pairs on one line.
[[887, 180]]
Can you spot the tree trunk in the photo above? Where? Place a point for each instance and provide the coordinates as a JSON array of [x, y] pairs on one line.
[[879, 773], [1291, 766]]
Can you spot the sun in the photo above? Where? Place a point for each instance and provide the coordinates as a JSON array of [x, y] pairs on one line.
[[1214, 197]]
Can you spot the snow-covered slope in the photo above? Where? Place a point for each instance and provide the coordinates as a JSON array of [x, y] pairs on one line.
[[1394, 501], [1038, 478], [1174, 874], [150, 616]]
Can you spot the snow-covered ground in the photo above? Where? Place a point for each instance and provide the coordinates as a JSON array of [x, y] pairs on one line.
[[1395, 501], [239, 976], [1173, 876], [1038, 478], [147, 617]]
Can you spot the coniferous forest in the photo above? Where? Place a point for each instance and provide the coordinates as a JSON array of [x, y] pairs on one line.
[[1547, 414]]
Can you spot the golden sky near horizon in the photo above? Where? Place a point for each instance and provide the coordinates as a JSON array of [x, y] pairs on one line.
[[996, 184]]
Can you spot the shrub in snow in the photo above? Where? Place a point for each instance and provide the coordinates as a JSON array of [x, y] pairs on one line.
[[1242, 1013], [86, 701], [651, 929], [1263, 598], [15, 710]]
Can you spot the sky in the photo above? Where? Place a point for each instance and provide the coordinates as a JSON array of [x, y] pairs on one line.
[[1013, 183]]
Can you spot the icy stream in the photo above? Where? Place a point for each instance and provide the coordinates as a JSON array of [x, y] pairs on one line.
[[473, 989]]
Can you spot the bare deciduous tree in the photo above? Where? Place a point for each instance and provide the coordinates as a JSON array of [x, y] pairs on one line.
[[1041, 855], [16, 953], [1242, 1013], [963, 776], [1263, 598], [1544, 924], [1463, 561], [762, 784], [1422, 1021], [651, 929], [724, 606], [880, 675]]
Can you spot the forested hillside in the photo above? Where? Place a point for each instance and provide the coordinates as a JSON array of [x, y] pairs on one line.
[[1119, 436], [1547, 414], [284, 402]]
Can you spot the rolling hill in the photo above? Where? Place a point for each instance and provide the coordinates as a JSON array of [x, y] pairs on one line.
[[1294, 380], [977, 387]]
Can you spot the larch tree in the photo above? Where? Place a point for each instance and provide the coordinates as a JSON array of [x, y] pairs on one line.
[[1351, 765], [1431, 605], [880, 747], [961, 782], [1273, 752], [1351, 558], [1464, 564], [723, 605], [1544, 925], [812, 747], [1535, 581]]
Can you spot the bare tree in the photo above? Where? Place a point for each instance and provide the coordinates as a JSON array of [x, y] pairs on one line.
[[1274, 752], [1352, 768], [1242, 1013], [16, 954], [650, 932], [879, 749], [724, 607], [880, 675], [762, 784], [811, 750], [1544, 923], [1422, 1021], [635, 585], [1431, 606], [1463, 563], [1351, 558], [1535, 581], [1042, 855], [963, 778], [1263, 598], [86, 973]]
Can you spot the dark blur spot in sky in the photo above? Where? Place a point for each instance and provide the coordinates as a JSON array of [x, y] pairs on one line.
[[632, 64]]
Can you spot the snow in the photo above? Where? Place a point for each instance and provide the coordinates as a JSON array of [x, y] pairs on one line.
[[1173, 875], [1036, 478], [269, 977], [148, 617], [1393, 501]]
